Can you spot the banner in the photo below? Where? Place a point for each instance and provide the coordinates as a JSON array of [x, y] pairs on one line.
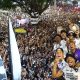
[[20, 30], [15, 56]]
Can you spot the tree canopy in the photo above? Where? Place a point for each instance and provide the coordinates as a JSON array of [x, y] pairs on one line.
[[5, 4], [33, 7]]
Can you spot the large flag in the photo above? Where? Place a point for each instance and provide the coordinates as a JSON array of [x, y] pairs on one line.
[[15, 56]]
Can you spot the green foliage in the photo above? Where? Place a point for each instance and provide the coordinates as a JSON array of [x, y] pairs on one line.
[[34, 6], [6, 4], [29, 6], [41, 5]]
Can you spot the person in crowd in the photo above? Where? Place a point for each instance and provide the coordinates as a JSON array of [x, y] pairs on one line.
[[70, 38], [24, 74], [72, 71], [72, 61], [36, 46], [71, 35], [63, 34], [57, 41], [64, 41], [58, 63], [72, 26], [74, 51]]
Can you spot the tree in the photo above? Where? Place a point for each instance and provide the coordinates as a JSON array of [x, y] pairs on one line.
[[6, 4], [33, 7], [75, 3]]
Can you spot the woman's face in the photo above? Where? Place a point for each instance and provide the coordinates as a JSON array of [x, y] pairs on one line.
[[71, 61], [59, 54]]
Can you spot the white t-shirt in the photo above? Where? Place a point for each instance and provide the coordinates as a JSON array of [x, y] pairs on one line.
[[71, 74], [77, 42], [61, 45], [64, 47]]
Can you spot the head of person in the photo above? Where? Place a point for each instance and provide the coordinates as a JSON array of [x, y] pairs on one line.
[[72, 46], [23, 72], [57, 38], [59, 29], [71, 60], [70, 21], [59, 53], [63, 34], [77, 33], [71, 35]]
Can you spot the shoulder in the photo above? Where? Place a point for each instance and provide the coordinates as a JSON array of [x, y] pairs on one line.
[[78, 64], [78, 50]]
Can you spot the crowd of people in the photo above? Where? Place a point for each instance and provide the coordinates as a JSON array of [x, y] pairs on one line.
[[49, 50], [50, 42]]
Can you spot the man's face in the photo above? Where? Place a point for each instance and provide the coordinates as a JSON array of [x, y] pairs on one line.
[[23, 73], [63, 35], [71, 61], [57, 39], [72, 46]]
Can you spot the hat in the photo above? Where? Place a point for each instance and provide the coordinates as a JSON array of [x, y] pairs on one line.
[[74, 28], [70, 31]]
